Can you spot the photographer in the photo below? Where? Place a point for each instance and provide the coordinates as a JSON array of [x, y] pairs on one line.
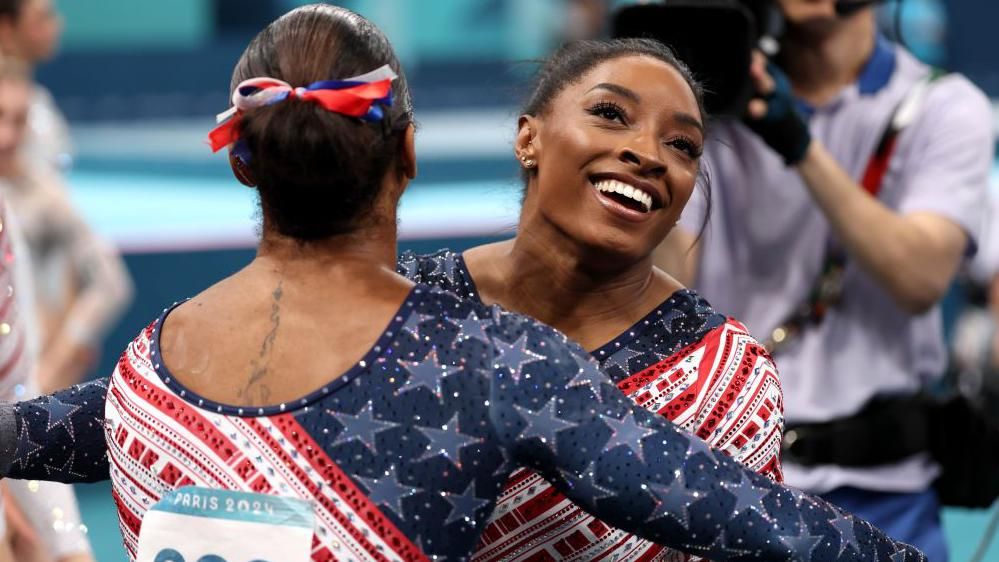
[[838, 221]]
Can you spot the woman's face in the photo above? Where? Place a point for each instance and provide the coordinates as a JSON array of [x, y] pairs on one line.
[[617, 157], [34, 36]]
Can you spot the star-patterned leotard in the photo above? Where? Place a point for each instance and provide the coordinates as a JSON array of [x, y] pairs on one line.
[[406, 453], [683, 361]]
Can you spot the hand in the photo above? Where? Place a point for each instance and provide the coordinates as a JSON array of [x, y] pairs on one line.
[[772, 115]]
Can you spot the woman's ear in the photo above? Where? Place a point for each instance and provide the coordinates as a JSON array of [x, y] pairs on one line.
[[526, 146], [408, 156], [241, 170]]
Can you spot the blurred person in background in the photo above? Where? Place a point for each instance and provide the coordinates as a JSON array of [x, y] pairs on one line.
[[838, 224], [30, 30], [47, 527], [975, 333], [81, 283], [585, 19]]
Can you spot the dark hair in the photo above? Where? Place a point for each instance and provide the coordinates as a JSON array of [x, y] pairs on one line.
[[318, 172], [11, 8], [573, 60]]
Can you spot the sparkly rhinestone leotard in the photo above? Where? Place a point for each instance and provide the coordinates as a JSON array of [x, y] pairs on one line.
[[421, 438], [683, 361]]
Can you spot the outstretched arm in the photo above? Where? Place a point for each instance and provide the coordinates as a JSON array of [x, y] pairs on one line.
[[638, 472], [56, 438]]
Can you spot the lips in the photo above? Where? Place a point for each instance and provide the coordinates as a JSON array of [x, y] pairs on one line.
[[630, 192], [626, 192]]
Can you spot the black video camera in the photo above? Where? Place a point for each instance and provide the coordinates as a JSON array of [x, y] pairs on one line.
[[715, 38]]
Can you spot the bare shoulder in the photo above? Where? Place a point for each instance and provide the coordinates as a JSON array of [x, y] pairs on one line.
[[210, 312], [486, 253]]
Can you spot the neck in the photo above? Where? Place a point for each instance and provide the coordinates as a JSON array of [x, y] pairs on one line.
[[558, 283], [7, 48], [371, 249], [822, 59]]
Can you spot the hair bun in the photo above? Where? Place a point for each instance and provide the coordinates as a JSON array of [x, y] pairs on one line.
[[318, 172]]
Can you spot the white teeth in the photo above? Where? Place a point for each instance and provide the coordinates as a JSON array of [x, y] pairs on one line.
[[614, 186]]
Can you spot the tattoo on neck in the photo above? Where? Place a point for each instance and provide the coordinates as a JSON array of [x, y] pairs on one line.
[[255, 391]]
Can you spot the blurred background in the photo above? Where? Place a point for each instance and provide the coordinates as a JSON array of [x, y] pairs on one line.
[[140, 81]]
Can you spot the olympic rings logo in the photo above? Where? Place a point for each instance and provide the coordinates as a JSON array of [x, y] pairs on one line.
[[171, 555]]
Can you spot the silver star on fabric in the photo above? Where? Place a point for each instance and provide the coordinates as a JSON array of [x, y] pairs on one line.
[[427, 373], [388, 492], [622, 358], [60, 413], [66, 469], [588, 374], [672, 500], [670, 316], [472, 327], [584, 485], [101, 383], [25, 447], [507, 467], [695, 446], [543, 423], [847, 537], [464, 505], [412, 324], [447, 266], [626, 432], [747, 496], [514, 356], [363, 427], [716, 550], [802, 545], [408, 267], [447, 441]]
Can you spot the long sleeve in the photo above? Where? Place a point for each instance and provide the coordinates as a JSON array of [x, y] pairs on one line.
[[50, 507], [56, 438], [638, 472], [52, 510]]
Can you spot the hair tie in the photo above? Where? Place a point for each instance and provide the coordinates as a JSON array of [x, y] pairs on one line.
[[359, 96]]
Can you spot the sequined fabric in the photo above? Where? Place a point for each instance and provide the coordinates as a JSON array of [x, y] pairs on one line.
[[683, 361], [59, 437], [406, 453], [673, 487]]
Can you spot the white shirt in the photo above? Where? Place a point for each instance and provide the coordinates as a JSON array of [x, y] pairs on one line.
[[766, 240]]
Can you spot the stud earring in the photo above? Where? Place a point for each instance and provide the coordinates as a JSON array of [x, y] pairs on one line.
[[528, 162]]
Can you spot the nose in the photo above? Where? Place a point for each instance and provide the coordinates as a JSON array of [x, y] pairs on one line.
[[643, 153]]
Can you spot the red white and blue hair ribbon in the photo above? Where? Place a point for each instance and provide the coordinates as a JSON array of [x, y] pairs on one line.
[[361, 96]]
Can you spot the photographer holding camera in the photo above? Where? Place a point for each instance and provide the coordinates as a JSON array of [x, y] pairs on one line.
[[842, 204]]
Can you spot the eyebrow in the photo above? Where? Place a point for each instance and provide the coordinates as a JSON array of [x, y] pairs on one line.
[[685, 118], [619, 90], [689, 119]]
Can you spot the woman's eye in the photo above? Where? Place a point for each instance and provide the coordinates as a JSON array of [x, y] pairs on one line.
[[608, 111], [687, 146]]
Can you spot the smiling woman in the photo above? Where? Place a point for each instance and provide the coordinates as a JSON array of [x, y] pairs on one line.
[[617, 146], [610, 142]]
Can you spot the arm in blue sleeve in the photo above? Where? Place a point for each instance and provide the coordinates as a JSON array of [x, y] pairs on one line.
[[56, 438], [557, 413]]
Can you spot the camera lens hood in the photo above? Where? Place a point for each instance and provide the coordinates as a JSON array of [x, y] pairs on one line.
[[715, 38]]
